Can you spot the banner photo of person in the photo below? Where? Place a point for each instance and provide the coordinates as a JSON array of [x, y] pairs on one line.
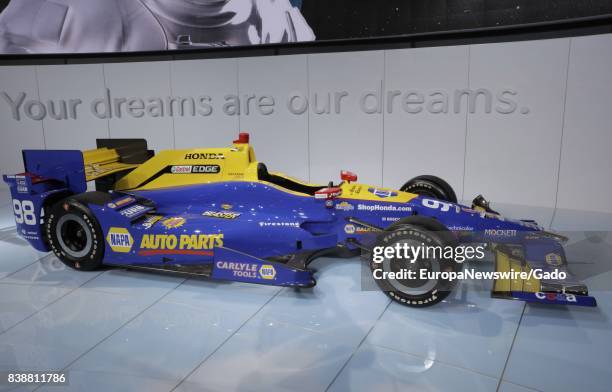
[[93, 26], [81, 26]]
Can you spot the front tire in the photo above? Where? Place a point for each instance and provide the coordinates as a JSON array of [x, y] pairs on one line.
[[415, 292], [430, 186], [74, 235]]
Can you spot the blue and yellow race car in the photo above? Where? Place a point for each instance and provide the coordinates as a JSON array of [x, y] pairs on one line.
[[218, 212]]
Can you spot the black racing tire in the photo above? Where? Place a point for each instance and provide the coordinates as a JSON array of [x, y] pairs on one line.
[[430, 186], [416, 292], [74, 235]]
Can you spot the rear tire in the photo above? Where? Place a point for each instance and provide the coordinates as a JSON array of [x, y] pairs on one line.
[[416, 292], [74, 235], [430, 186]]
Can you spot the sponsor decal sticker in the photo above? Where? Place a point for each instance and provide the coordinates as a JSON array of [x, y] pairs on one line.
[[363, 229], [173, 222], [240, 270], [556, 297], [206, 169], [355, 190], [500, 232], [121, 202], [390, 218], [205, 155], [22, 185], [119, 239], [554, 259], [180, 169], [226, 206], [202, 169], [267, 272], [383, 207], [188, 244], [222, 214], [150, 220], [132, 211], [382, 193], [461, 228], [279, 224], [349, 229], [345, 206]]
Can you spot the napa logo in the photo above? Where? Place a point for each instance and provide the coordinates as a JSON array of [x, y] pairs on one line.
[[267, 272], [119, 239], [554, 259]]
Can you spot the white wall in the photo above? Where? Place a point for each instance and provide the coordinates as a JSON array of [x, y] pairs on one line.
[[552, 150], [431, 143], [585, 181]]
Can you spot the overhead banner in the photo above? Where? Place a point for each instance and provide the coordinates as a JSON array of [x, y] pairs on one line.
[[90, 26], [77, 26]]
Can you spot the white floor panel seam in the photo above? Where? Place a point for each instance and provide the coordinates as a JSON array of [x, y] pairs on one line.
[[530, 388], [358, 346], [65, 368], [518, 326], [49, 304], [207, 357]]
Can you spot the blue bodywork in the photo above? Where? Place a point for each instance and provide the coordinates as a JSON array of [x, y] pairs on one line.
[[247, 231]]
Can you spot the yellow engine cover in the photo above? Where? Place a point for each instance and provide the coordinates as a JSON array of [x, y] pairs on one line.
[[169, 168]]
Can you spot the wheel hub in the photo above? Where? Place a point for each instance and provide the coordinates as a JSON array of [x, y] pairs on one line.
[[73, 235]]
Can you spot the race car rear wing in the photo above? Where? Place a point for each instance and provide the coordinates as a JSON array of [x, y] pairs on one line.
[[75, 168], [50, 175]]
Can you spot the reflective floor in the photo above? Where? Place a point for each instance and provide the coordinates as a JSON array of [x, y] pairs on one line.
[[117, 330]]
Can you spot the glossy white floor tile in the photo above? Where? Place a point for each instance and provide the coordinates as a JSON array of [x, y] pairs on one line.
[[50, 271], [375, 368], [336, 305], [476, 334], [469, 329], [60, 333], [157, 349], [564, 348], [30, 289], [16, 253], [270, 356], [18, 302]]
